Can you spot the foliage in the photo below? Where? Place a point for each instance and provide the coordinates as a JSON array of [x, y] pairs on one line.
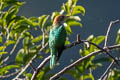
[[16, 30]]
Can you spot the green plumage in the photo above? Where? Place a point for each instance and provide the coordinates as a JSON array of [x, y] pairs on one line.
[[57, 39]]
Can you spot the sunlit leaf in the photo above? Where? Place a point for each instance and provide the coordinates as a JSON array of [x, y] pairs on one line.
[[1, 53], [66, 8], [2, 48], [47, 50], [67, 42], [40, 75], [19, 56], [8, 67], [68, 29], [90, 37], [1, 39], [54, 14], [74, 23], [78, 10], [9, 42], [118, 37], [37, 39], [42, 20], [99, 39], [29, 75]]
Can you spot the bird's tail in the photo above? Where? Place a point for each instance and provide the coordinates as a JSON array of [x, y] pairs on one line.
[[52, 61]]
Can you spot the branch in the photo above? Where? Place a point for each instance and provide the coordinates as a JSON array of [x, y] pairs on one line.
[[47, 59], [107, 70], [57, 75], [78, 41], [106, 51], [13, 49], [34, 57], [40, 67], [108, 30]]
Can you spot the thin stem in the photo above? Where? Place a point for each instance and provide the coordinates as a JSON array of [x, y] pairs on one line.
[[12, 51], [34, 57], [107, 70], [40, 67], [108, 31]]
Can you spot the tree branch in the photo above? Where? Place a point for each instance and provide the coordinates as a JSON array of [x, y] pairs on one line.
[[57, 75], [40, 67], [108, 30], [107, 70], [13, 49], [34, 57]]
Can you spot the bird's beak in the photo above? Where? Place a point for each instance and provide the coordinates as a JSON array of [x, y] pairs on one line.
[[77, 18]]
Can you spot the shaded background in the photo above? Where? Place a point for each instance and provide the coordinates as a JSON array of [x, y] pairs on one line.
[[98, 15]]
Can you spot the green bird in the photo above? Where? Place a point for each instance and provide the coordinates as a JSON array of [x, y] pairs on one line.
[[57, 38]]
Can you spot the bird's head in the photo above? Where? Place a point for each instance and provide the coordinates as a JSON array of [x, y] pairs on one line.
[[60, 19]]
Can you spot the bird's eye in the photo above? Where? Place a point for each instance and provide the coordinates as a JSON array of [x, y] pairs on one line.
[[62, 17]]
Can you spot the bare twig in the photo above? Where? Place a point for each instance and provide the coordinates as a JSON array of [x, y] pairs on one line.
[[107, 70], [34, 57], [34, 69], [12, 51], [40, 67], [43, 39], [108, 30], [57, 75], [102, 50]]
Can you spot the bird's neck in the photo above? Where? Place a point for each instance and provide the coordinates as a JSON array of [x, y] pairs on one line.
[[56, 25]]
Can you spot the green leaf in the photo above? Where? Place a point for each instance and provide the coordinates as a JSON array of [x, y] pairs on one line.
[[1, 53], [78, 10], [37, 39], [40, 75], [66, 8], [68, 29], [27, 58], [2, 48], [1, 39], [26, 41], [12, 13], [4, 16], [20, 55], [99, 39], [27, 34], [29, 75], [6, 68], [67, 42], [9, 42], [118, 37], [47, 50], [91, 37], [74, 23], [42, 20], [30, 22], [54, 14]]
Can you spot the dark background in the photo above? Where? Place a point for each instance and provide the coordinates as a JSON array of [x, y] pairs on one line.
[[98, 15]]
